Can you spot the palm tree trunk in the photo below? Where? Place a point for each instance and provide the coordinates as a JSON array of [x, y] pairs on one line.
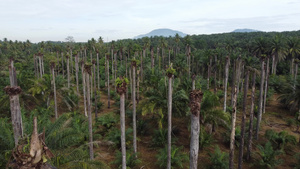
[[13, 91], [133, 64], [138, 87], [71, 57], [126, 75], [84, 87], [122, 121], [296, 74], [266, 86], [226, 81], [249, 147], [260, 103], [40, 62], [108, 91], [54, 89], [195, 100], [62, 63], [115, 64], [68, 70], [98, 74], [76, 72], [43, 68], [152, 58], [243, 121], [232, 135], [88, 74], [141, 68], [169, 122], [233, 81], [95, 88]]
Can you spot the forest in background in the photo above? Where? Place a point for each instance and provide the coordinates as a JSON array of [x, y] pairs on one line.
[[85, 102]]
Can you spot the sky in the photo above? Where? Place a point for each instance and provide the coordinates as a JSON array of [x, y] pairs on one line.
[[41, 20]]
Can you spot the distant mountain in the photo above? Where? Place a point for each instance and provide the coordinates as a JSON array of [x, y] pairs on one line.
[[246, 30], [161, 32]]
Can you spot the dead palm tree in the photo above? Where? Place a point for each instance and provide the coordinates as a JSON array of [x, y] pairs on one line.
[[88, 72], [249, 146], [195, 100], [232, 135], [243, 121], [133, 65], [54, 88], [84, 87], [226, 81]]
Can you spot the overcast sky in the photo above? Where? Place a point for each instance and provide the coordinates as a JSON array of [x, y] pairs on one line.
[[41, 20]]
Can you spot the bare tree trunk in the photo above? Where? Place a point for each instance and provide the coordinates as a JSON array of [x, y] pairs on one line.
[[13, 91], [152, 58], [122, 120], [225, 83], [233, 80], [115, 64], [249, 147], [266, 86], [54, 89], [98, 74], [241, 151], [261, 91], [62, 63], [108, 91], [133, 64], [195, 100], [71, 57], [88, 74], [76, 72], [68, 70], [232, 135], [95, 88], [84, 87], [169, 122], [40, 62]]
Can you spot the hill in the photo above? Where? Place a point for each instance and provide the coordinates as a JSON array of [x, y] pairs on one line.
[[245, 30], [161, 32]]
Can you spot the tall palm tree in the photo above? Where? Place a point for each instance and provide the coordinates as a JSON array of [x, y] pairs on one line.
[[249, 146], [54, 88], [170, 72], [121, 90], [68, 69], [278, 49], [88, 72], [108, 91], [226, 81], [76, 71], [241, 151], [293, 50], [195, 100], [84, 87], [133, 65], [232, 135]]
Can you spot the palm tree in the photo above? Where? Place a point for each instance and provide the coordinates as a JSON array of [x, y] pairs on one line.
[[170, 72], [84, 87], [232, 135], [243, 120], [249, 146], [133, 65], [54, 88], [226, 81], [76, 71], [88, 72], [68, 69], [107, 70], [121, 90], [95, 88], [293, 50], [195, 100], [278, 49]]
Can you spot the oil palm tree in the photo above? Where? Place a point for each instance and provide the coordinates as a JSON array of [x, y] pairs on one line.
[[195, 101], [278, 49], [121, 84]]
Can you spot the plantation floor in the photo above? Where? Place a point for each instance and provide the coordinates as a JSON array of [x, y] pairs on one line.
[[275, 118]]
